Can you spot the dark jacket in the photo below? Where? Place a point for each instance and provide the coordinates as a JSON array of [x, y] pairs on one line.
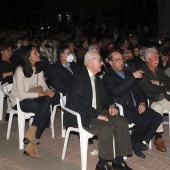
[[138, 62], [120, 90], [79, 98], [59, 78], [153, 91]]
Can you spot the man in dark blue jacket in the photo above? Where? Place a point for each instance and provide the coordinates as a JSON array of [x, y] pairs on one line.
[[124, 89], [61, 72]]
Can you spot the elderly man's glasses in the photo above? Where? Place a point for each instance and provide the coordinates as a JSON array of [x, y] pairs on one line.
[[98, 59]]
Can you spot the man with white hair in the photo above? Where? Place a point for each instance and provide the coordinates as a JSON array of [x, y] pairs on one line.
[[99, 115], [155, 83]]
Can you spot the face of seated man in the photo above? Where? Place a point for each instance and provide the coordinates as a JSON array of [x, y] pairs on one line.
[[64, 55], [153, 60], [117, 62], [95, 63]]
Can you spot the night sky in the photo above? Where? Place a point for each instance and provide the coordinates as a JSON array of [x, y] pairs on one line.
[[19, 9]]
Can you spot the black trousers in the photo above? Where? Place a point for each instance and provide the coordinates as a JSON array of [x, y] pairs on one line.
[[146, 124], [41, 107], [116, 125]]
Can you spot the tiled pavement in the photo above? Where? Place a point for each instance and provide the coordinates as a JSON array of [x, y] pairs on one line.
[[11, 158]]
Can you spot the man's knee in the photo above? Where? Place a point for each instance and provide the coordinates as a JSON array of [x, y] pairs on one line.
[[157, 107]]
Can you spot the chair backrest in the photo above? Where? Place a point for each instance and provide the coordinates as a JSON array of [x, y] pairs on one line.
[[63, 103], [7, 89]]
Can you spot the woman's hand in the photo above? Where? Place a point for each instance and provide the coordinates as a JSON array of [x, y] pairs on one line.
[[48, 92]]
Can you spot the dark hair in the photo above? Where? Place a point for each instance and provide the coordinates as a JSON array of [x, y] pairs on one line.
[[68, 42], [122, 41], [61, 50], [165, 51], [4, 47], [25, 63]]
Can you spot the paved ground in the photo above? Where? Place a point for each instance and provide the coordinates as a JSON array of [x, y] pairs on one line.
[[11, 158]]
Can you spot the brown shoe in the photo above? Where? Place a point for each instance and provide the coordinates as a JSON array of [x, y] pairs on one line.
[[160, 146], [31, 150], [30, 135]]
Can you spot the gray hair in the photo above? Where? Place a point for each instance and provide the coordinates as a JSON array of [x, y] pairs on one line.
[[142, 49], [148, 51], [126, 51], [89, 55], [93, 46]]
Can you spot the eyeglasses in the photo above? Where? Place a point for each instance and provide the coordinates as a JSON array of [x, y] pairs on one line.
[[98, 59], [118, 59]]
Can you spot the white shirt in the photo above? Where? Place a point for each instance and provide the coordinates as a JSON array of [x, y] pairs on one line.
[[92, 76]]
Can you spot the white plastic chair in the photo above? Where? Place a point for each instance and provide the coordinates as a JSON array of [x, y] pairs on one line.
[[1, 102], [22, 116], [54, 109], [53, 112], [84, 136], [167, 122]]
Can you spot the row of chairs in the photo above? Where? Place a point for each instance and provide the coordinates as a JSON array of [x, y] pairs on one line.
[[84, 135]]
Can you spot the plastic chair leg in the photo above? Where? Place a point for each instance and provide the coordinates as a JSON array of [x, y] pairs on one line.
[[66, 142], [169, 122], [21, 129], [1, 104], [150, 144], [63, 131], [83, 148], [9, 125]]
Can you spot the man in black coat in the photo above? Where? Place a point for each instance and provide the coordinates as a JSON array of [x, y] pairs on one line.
[[124, 89], [99, 116], [60, 73]]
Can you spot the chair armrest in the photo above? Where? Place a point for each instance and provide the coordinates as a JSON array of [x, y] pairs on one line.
[[120, 108]]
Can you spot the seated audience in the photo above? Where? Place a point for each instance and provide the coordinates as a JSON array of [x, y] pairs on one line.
[[155, 84], [140, 60], [61, 72], [124, 89], [28, 75], [15, 58], [6, 67], [164, 62], [81, 52], [99, 116], [129, 60]]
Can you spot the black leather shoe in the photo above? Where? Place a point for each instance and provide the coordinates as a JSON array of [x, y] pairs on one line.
[[137, 150], [105, 167], [122, 166], [143, 147]]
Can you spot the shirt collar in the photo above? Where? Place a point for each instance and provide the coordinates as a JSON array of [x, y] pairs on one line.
[[90, 73], [66, 65]]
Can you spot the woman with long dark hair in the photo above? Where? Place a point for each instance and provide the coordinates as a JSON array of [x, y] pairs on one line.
[[28, 75]]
